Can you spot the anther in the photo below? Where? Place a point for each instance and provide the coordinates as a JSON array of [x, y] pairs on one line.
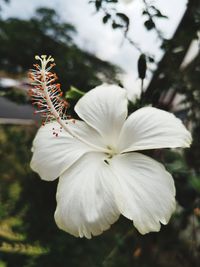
[[105, 160]]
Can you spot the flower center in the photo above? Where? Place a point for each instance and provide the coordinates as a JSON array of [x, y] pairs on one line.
[[111, 152]]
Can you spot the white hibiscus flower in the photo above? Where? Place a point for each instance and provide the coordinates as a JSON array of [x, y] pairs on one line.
[[101, 173]]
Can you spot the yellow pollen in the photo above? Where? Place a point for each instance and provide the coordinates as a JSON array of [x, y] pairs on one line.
[[112, 151]]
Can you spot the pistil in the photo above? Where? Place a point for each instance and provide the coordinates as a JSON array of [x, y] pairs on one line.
[[47, 96]]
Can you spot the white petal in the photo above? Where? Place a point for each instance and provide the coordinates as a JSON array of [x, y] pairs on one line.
[[87, 133], [104, 108], [145, 191], [150, 128], [85, 202], [53, 155]]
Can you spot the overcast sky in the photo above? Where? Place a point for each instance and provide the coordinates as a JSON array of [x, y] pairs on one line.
[[100, 39]]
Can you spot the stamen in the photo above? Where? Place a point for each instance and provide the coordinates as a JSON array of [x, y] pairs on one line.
[[44, 89], [46, 95], [106, 161]]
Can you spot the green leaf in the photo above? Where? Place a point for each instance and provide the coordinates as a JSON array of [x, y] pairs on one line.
[[98, 4], [74, 93], [142, 66], [112, 1], [116, 25], [106, 18], [2, 264], [124, 18], [151, 59], [144, 12], [195, 182], [158, 13], [149, 24]]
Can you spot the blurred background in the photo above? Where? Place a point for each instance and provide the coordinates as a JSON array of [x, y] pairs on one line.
[[149, 47]]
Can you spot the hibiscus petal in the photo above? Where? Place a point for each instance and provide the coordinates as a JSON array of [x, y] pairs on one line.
[[104, 108], [144, 191], [52, 154], [150, 128], [88, 134], [85, 202]]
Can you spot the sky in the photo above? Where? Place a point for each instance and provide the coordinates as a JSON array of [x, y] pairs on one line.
[[100, 39]]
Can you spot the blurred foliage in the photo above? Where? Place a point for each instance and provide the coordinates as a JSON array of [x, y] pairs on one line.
[[44, 33], [28, 234], [14, 94], [74, 93], [119, 20]]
